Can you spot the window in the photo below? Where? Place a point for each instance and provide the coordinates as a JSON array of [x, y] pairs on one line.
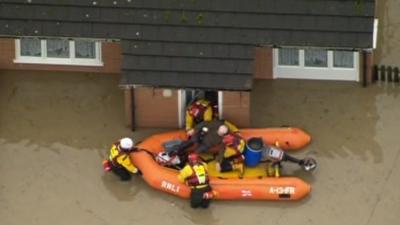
[[85, 49], [315, 58], [30, 47], [57, 48], [83, 52], [288, 57], [316, 63], [343, 59]]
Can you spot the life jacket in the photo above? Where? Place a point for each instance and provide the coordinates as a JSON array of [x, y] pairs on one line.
[[197, 110], [199, 175], [234, 141], [115, 152]]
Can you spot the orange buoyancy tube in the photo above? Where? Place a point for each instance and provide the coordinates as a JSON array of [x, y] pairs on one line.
[[166, 179], [288, 138]]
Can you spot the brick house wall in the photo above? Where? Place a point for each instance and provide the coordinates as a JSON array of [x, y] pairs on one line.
[[236, 107], [263, 64], [153, 107], [156, 107]]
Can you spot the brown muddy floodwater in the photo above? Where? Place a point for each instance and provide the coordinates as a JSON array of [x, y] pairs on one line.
[[388, 45], [55, 129]]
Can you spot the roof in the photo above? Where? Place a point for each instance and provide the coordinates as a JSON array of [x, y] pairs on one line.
[[194, 43]]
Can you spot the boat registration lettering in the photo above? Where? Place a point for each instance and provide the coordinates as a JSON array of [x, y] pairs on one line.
[[169, 186], [282, 190]]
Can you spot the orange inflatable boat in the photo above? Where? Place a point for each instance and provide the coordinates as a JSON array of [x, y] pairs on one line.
[[254, 185]]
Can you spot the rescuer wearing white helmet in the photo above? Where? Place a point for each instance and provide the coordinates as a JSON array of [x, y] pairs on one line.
[[119, 161]]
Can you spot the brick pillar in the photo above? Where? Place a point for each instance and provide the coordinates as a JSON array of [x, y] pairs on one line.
[[263, 67], [370, 64], [236, 107], [366, 67]]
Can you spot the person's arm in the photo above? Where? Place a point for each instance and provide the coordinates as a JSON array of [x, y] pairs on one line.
[[208, 114], [231, 126], [199, 126], [220, 155], [189, 121], [242, 145], [184, 173]]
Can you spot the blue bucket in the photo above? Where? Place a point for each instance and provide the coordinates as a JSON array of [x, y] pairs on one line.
[[253, 151]]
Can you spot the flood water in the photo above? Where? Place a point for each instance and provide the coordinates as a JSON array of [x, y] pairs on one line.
[[388, 45], [55, 129]]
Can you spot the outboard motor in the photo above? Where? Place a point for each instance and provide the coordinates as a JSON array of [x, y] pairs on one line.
[[275, 154], [256, 151]]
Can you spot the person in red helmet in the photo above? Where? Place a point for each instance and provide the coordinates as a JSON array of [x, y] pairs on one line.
[[197, 112], [195, 175], [231, 157]]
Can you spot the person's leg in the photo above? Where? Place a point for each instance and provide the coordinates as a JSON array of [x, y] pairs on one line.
[[226, 165], [196, 198], [232, 163], [206, 202], [187, 144], [121, 172], [202, 148]]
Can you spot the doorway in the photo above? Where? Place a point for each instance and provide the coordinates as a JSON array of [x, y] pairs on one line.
[[188, 96]]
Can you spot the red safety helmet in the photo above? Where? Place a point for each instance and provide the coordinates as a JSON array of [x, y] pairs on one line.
[[193, 158], [228, 139], [194, 111], [232, 140]]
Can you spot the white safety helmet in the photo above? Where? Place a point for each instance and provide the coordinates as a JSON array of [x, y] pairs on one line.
[[126, 143], [222, 130]]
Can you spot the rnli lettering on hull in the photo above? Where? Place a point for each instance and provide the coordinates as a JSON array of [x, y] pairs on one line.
[[169, 186], [282, 190]]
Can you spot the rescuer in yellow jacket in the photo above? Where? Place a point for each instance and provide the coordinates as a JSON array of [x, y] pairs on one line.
[[231, 157], [195, 175], [197, 112], [119, 161]]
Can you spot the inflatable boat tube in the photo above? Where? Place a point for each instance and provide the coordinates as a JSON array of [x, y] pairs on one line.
[[254, 185]]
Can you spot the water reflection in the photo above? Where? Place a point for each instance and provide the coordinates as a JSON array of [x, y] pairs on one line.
[[340, 116], [123, 191], [200, 216], [388, 45]]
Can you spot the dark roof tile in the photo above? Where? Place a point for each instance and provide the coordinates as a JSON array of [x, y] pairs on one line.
[[189, 80], [199, 43]]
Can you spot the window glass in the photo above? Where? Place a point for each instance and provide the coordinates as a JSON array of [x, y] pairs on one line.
[[343, 59], [30, 47], [57, 48], [58, 51], [85, 49], [315, 58], [288, 57]]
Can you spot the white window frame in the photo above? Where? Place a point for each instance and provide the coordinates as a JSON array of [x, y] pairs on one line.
[[317, 73], [375, 33], [72, 60], [182, 107]]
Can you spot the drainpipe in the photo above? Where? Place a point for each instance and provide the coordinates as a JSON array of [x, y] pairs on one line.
[[365, 67]]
